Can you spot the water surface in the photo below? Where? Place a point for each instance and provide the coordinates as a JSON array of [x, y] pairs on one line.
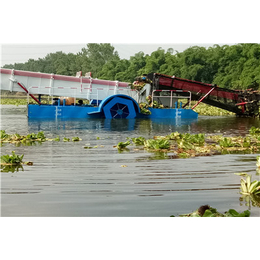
[[68, 180]]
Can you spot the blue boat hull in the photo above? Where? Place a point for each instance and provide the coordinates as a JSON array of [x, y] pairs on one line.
[[112, 107], [65, 112], [172, 113]]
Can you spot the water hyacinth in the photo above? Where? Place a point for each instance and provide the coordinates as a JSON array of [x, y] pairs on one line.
[[207, 211], [258, 161], [185, 145], [122, 145], [248, 187], [207, 110], [16, 138], [12, 162], [75, 139], [12, 159], [254, 131], [258, 165], [31, 138], [144, 108], [138, 140], [157, 144]]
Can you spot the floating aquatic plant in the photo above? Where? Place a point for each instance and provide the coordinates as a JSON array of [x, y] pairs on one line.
[[248, 187], [258, 165], [258, 161], [31, 136], [174, 136], [226, 142], [31, 139], [157, 144], [138, 140], [57, 139], [3, 134], [183, 144], [122, 145], [87, 147], [207, 211], [190, 145], [198, 139], [183, 155], [12, 159], [41, 136], [254, 130], [75, 139]]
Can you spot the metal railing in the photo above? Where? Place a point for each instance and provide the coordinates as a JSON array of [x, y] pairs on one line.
[[171, 96]]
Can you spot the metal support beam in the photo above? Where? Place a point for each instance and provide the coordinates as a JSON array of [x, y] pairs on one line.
[[203, 98], [25, 89]]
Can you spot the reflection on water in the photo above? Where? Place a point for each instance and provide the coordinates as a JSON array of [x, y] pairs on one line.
[[140, 125], [250, 201], [11, 168], [158, 156], [229, 125], [218, 125], [68, 180]]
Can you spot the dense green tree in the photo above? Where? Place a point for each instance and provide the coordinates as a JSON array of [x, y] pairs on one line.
[[193, 63], [154, 61], [112, 68], [95, 56], [239, 66], [137, 62], [171, 65]]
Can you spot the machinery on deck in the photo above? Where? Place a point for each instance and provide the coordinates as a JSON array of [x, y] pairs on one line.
[[242, 103]]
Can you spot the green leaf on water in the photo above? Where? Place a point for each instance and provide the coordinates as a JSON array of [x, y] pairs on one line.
[[208, 213], [241, 174], [122, 145], [57, 139], [212, 212], [234, 213], [75, 139], [138, 140]]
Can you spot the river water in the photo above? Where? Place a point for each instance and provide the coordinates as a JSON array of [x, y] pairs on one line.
[[67, 179]]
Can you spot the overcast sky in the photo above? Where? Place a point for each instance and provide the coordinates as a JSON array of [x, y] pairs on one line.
[[32, 31], [16, 53]]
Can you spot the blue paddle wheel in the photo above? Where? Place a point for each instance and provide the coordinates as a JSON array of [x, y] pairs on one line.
[[118, 106]]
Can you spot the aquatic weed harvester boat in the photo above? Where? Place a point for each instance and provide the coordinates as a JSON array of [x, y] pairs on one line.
[[159, 94]]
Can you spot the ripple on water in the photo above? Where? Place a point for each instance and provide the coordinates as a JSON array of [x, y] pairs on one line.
[[68, 180]]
